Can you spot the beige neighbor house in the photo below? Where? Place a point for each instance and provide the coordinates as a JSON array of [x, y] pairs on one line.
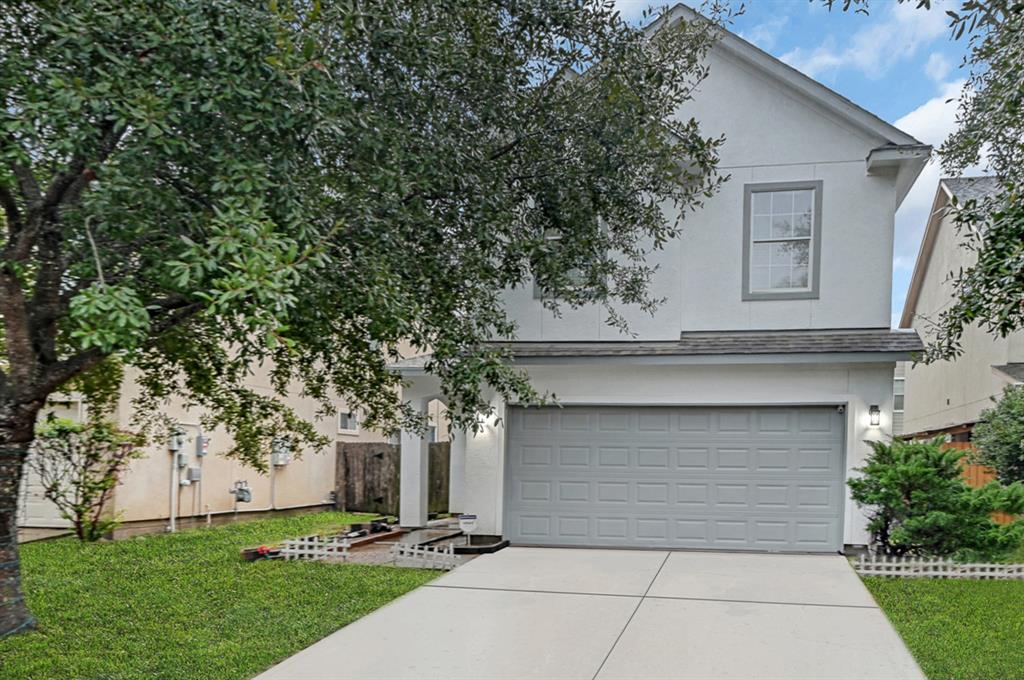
[[196, 482], [947, 397]]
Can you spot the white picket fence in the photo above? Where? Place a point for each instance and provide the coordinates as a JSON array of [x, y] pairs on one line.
[[323, 549], [923, 567], [424, 556]]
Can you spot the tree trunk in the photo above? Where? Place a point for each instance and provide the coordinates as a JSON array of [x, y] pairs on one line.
[[16, 432]]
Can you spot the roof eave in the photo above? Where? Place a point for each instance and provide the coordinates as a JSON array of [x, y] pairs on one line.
[[904, 161], [924, 254]]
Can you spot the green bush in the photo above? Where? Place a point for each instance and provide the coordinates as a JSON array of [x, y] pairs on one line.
[[999, 436], [79, 465], [918, 504]]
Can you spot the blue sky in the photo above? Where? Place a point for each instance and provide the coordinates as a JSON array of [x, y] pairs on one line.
[[897, 62]]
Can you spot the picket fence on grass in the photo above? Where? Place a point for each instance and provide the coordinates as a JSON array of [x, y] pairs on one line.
[[926, 567], [424, 556], [320, 548]]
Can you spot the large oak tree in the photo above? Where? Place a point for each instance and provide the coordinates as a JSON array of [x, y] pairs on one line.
[[192, 187]]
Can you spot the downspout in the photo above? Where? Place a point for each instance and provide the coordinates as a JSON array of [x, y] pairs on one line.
[[173, 510]]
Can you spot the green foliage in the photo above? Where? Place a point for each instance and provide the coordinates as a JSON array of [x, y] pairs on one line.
[[999, 435], [100, 387], [918, 504], [185, 605], [990, 132], [203, 187], [957, 629], [79, 465]]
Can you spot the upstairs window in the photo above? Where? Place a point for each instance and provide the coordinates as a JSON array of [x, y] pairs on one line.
[[781, 241], [348, 422]]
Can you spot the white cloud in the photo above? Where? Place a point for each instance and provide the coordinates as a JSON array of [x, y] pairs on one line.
[[931, 122], [766, 33], [938, 67], [892, 35]]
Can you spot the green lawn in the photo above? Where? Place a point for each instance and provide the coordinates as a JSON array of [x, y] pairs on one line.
[[186, 605], [958, 629]]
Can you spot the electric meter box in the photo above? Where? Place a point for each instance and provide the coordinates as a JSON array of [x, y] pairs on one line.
[[202, 446], [280, 458], [194, 474], [181, 458]]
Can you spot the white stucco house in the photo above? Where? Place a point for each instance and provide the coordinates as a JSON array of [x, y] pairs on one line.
[[947, 397], [734, 418]]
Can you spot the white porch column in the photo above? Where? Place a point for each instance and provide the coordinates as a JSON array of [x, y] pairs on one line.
[[457, 471], [412, 506]]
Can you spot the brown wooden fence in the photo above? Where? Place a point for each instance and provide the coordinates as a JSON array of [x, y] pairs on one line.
[[368, 477], [977, 475]]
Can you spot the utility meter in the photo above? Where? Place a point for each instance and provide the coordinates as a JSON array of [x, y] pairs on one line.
[[176, 441], [241, 492], [202, 446], [281, 452]]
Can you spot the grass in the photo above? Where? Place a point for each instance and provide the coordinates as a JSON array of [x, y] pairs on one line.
[[186, 605], [957, 629]]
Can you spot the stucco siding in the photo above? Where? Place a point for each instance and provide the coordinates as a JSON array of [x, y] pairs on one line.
[[700, 274], [855, 386], [307, 480]]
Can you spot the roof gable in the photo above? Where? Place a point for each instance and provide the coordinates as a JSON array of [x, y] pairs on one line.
[[794, 80]]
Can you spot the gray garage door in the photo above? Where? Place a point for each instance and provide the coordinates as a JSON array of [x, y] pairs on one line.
[[768, 478]]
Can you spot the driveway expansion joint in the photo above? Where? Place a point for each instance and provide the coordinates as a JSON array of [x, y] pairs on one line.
[[529, 590], [784, 604], [630, 619]]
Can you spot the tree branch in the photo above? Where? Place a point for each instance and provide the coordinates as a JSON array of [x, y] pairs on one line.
[[11, 211]]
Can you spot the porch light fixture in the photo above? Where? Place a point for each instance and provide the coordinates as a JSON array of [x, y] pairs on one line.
[[875, 414]]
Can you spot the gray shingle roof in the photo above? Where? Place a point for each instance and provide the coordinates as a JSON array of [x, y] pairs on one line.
[[967, 188], [734, 342], [1013, 372]]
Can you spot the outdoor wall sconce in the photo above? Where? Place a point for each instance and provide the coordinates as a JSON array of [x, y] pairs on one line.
[[875, 415]]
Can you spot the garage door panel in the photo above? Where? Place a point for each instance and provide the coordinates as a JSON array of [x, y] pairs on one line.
[[783, 458], [755, 478], [752, 494], [767, 533]]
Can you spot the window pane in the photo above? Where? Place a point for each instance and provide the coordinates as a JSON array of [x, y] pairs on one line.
[[897, 402], [898, 386], [762, 226], [759, 278], [782, 202], [781, 229], [762, 203], [790, 253], [782, 226], [802, 224], [760, 254], [780, 278], [802, 201]]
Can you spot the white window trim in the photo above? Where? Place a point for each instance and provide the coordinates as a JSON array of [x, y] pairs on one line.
[[904, 395], [813, 266], [353, 414]]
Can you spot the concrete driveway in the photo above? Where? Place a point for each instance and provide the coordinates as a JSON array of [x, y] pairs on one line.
[[567, 613]]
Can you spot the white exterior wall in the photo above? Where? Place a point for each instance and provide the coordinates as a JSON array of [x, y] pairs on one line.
[[856, 386], [771, 136], [949, 393]]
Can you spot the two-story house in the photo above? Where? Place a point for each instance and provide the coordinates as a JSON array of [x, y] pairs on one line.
[[946, 397], [735, 417]]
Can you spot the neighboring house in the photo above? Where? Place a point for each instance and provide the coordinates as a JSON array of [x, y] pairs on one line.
[[946, 397], [152, 490], [735, 417]]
